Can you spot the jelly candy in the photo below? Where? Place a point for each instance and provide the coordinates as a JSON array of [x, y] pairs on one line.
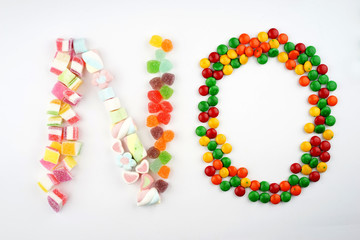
[[168, 136], [168, 78], [153, 66], [166, 92], [160, 54], [156, 41], [164, 172], [156, 132], [166, 106], [155, 96], [164, 117], [166, 45], [153, 107], [165, 66], [152, 121], [156, 83], [161, 185], [153, 152], [165, 157]]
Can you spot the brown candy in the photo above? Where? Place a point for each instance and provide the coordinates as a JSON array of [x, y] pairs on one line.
[[161, 185], [153, 152]]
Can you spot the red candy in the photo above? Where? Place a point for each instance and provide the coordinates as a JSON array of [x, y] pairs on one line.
[[218, 75], [319, 120], [211, 133], [207, 72], [323, 93], [210, 171], [295, 168], [300, 47], [239, 191], [273, 33], [314, 176], [204, 90], [322, 69], [325, 146], [315, 151], [164, 117], [166, 106], [214, 57], [315, 141], [324, 156], [213, 112], [154, 96], [203, 117], [153, 107], [274, 187]]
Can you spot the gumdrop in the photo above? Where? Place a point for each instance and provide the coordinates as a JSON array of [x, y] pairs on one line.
[[155, 96], [168, 78], [164, 117], [156, 83], [166, 106], [164, 172], [161, 185], [165, 66], [160, 54], [160, 144], [168, 135], [166, 92], [153, 152], [154, 107], [152, 121], [165, 157], [156, 132], [153, 66], [155, 165], [156, 41], [167, 45]]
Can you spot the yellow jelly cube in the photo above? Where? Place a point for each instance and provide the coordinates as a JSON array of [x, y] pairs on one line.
[[51, 155], [70, 148], [56, 145], [69, 162]]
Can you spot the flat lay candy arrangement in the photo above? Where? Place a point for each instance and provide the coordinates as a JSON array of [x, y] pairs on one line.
[[313, 73]]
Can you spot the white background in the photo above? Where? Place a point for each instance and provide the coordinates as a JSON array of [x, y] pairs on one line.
[[263, 110]]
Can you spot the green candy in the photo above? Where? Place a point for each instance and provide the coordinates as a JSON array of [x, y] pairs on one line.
[[155, 165], [273, 52], [302, 58], [315, 60], [165, 157], [160, 54], [322, 103], [211, 81], [253, 196], [226, 162], [306, 158], [234, 42], [293, 179], [153, 66], [320, 128], [225, 186], [289, 46], [330, 120], [200, 131], [304, 182], [235, 181], [314, 162], [218, 66], [310, 51], [285, 196], [213, 100], [213, 90], [315, 86], [165, 66], [324, 79], [203, 106], [325, 112], [166, 91], [212, 145], [235, 63], [313, 75], [222, 49], [264, 197], [218, 154], [264, 186], [262, 59], [331, 86]]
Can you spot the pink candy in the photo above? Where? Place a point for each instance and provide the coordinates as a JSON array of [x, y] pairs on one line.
[[55, 134], [58, 90], [71, 97], [77, 65], [64, 45], [56, 200], [62, 174], [71, 133]]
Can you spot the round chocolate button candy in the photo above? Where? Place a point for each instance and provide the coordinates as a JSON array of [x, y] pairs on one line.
[[212, 145], [203, 106], [319, 120], [264, 186], [203, 117], [211, 133], [239, 191], [200, 131], [222, 49], [306, 158], [330, 120], [324, 156], [274, 187], [315, 60], [314, 162], [314, 176], [315, 86], [213, 90], [225, 186], [322, 103], [304, 182], [264, 197], [293, 179], [253, 196], [315, 141], [325, 111], [214, 57], [235, 181], [313, 75], [302, 58], [207, 72], [315, 152], [325, 146], [323, 79], [285, 196], [217, 154], [295, 168], [211, 81], [310, 51], [226, 162], [213, 112], [331, 86], [210, 171], [319, 128], [204, 90], [234, 42]]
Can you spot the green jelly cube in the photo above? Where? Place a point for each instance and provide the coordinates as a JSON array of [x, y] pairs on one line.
[[164, 157], [166, 92], [155, 165]]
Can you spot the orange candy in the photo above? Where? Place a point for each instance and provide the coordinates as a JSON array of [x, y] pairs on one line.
[[265, 47], [242, 172], [152, 121], [304, 81], [218, 164], [282, 38], [275, 198], [332, 100], [160, 144], [255, 185], [249, 51], [240, 50], [168, 135], [232, 171], [258, 52], [164, 172], [244, 38], [166, 45], [284, 186], [294, 54], [216, 179], [295, 190], [290, 64], [254, 42], [313, 99]]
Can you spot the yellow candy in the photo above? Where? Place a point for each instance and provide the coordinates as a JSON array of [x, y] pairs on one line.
[[228, 69], [321, 167], [299, 69], [307, 66], [51, 155], [208, 157], [328, 134], [156, 41], [263, 37], [306, 169], [224, 172], [69, 162], [224, 59], [232, 54], [274, 43], [283, 57], [226, 148], [305, 146], [204, 63], [70, 148], [204, 140], [245, 182], [243, 59], [220, 139], [56, 145], [309, 127], [213, 123], [314, 111]]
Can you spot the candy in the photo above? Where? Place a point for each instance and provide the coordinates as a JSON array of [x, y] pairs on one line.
[[166, 106], [164, 157], [153, 153], [71, 97], [156, 132], [155, 41], [166, 92], [55, 134], [164, 117], [54, 107], [161, 185], [69, 163], [77, 65], [112, 104], [71, 148], [153, 66], [153, 107], [47, 182], [155, 96], [68, 114], [58, 90], [146, 181], [118, 115], [123, 128], [62, 174], [79, 45], [160, 144], [64, 45], [160, 54], [47, 165], [66, 77], [168, 135], [75, 84], [54, 121], [165, 66], [166, 45], [51, 155], [117, 146], [56, 200], [130, 177], [156, 83], [93, 61], [71, 133], [168, 78], [60, 63], [125, 161], [152, 121], [155, 165], [133, 144], [102, 79], [164, 172], [148, 197], [143, 167], [106, 93]]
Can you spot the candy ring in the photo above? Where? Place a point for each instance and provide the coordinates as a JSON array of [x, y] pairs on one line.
[[297, 57]]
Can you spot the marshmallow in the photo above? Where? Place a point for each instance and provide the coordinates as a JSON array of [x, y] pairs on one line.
[[146, 181], [66, 77], [60, 63], [54, 107], [51, 155], [118, 115], [75, 84], [64, 45], [58, 90], [47, 182], [69, 163], [54, 121], [102, 79], [68, 114], [133, 144], [106, 93], [117, 146], [125, 161], [71, 148], [130, 177], [93, 61], [142, 167], [148, 197], [71, 97], [55, 134], [71, 133], [62, 174], [79, 45], [123, 128], [112, 104], [56, 200], [77, 65]]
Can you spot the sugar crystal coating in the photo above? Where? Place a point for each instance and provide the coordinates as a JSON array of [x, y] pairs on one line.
[[165, 157], [156, 83], [157, 132], [166, 92], [153, 152], [160, 54], [168, 78], [153, 66], [155, 165], [161, 185], [165, 66]]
